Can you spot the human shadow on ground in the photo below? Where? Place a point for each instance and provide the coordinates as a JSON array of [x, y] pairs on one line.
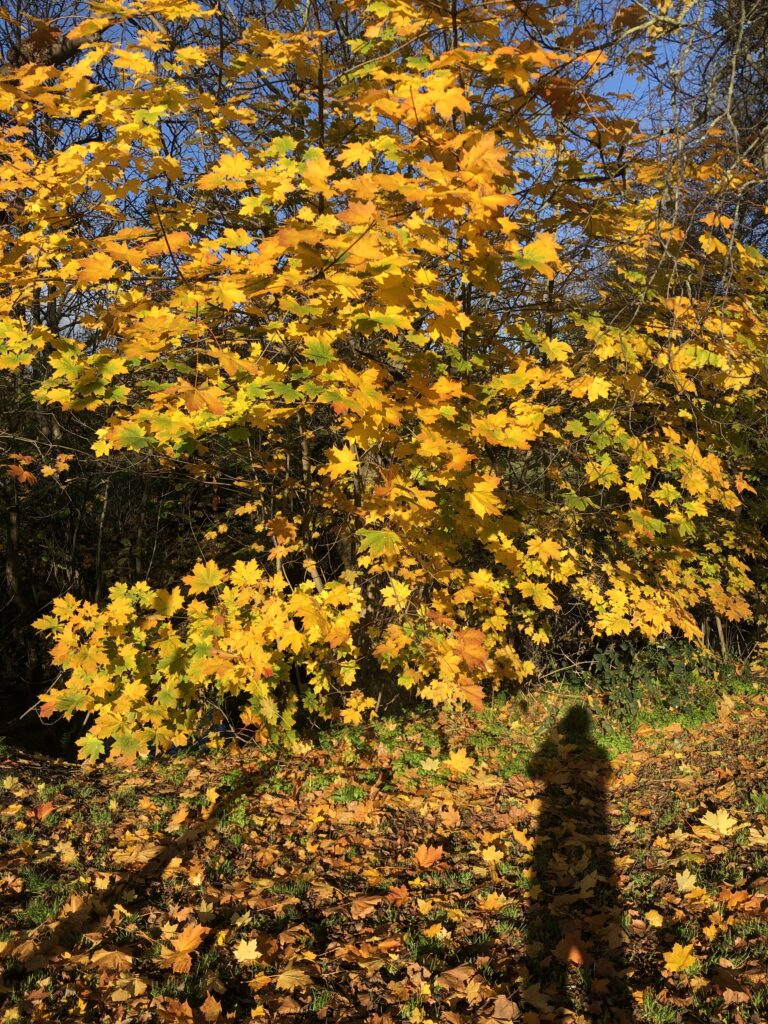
[[575, 961]]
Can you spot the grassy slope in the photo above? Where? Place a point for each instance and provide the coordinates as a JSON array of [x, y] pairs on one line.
[[261, 884]]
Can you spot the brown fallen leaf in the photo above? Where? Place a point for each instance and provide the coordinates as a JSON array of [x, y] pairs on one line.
[[731, 987], [130, 989], [111, 960], [174, 1012], [505, 1009], [456, 979], [398, 895], [211, 1009], [363, 906], [292, 978], [178, 958], [450, 817]]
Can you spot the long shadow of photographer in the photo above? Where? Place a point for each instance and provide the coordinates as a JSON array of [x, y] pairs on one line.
[[574, 936]]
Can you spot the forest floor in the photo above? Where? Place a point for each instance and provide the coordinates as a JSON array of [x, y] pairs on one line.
[[484, 867]]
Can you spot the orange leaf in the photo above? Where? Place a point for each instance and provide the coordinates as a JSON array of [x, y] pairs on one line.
[[363, 906], [211, 1009], [426, 856]]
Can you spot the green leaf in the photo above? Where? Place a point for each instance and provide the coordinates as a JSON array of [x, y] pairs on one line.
[[130, 435], [67, 701], [644, 523], [576, 428], [91, 747], [319, 351], [575, 501], [127, 744], [379, 542], [390, 320]]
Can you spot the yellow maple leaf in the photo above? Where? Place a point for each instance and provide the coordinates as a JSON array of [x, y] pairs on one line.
[[396, 594], [492, 902], [246, 951], [481, 498], [541, 255], [340, 462], [470, 645], [598, 388], [720, 821], [492, 855], [540, 593], [686, 880], [458, 761], [356, 153], [167, 603], [98, 267], [555, 349], [680, 958], [449, 100], [131, 60], [316, 170], [544, 550], [232, 171], [235, 238], [228, 294], [654, 919], [204, 577], [485, 157], [67, 852]]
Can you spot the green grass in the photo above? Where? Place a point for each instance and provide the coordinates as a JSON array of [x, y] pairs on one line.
[[41, 909], [452, 881], [239, 814], [347, 794], [101, 815], [654, 1012], [321, 997], [292, 887], [48, 894]]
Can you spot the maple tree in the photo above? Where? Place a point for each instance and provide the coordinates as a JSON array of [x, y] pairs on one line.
[[468, 358]]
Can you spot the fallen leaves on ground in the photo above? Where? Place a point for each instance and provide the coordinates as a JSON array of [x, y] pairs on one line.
[[389, 875]]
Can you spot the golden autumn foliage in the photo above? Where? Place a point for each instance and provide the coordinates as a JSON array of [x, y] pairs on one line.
[[445, 330]]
